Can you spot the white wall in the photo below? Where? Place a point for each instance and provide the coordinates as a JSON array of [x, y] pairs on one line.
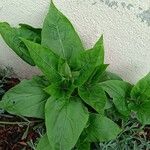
[[125, 25]]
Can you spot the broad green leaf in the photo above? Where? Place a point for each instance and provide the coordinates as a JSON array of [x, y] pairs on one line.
[[119, 91], [30, 33], [143, 112], [116, 88], [12, 37], [140, 95], [41, 80], [65, 70], [94, 96], [45, 59], [122, 105], [113, 76], [59, 35], [90, 58], [27, 99], [60, 89], [97, 73], [92, 63], [65, 120], [37, 31], [44, 144], [108, 104], [101, 129], [141, 91], [108, 76], [99, 45]]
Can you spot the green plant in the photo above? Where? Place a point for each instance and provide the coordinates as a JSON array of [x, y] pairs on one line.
[[132, 100], [75, 91]]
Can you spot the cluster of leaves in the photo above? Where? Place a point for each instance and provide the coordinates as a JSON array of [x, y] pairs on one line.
[[75, 90]]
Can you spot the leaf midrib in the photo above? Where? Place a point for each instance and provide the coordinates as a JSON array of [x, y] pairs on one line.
[[51, 67], [60, 41]]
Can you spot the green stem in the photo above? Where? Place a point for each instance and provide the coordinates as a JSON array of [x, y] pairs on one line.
[[19, 123], [13, 123]]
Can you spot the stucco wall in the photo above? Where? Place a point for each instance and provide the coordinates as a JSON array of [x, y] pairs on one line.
[[125, 25]]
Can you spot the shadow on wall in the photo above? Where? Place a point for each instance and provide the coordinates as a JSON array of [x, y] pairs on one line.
[[144, 15]]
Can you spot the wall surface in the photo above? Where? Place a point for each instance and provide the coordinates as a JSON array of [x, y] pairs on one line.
[[125, 25]]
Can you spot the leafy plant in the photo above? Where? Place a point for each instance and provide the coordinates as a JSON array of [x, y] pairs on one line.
[[75, 91], [131, 100], [12, 38]]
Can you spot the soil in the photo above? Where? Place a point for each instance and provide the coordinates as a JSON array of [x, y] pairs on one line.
[[14, 136], [147, 132]]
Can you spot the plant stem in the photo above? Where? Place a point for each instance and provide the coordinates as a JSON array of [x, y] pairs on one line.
[[13, 123], [19, 123]]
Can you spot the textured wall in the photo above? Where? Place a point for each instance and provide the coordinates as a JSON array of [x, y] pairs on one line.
[[125, 25]]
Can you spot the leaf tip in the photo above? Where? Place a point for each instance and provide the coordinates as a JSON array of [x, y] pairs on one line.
[[102, 36], [3, 25], [52, 4]]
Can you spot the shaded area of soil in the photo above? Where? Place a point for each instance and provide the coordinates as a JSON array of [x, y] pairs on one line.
[[147, 132], [10, 82], [16, 136]]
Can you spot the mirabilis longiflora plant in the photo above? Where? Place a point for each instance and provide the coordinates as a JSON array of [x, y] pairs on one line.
[[75, 90]]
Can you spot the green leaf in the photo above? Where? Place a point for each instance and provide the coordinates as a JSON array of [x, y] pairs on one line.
[[60, 89], [65, 70], [97, 73], [12, 37], [113, 76], [101, 129], [90, 58], [41, 80], [94, 96], [143, 112], [44, 144], [99, 45], [35, 34], [106, 75], [59, 35], [26, 99], [119, 91], [116, 88], [45, 59], [141, 91], [30, 33], [65, 120], [122, 105], [140, 95], [92, 63], [108, 104]]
